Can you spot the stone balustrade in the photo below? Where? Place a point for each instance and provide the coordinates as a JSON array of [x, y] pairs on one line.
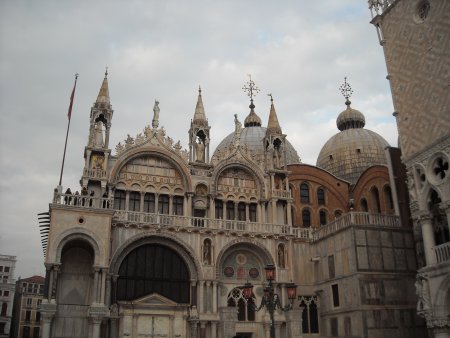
[[281, 193], [356, 218], [442, 252], [94, 173], [141, 218]]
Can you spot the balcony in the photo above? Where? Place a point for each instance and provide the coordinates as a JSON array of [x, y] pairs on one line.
[[141, 219], [281, 193], [356, 218], [442, 252]]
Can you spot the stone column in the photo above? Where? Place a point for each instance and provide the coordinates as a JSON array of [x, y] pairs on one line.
[[107, 288], [170, 204], [428, 238], [278, 329], [193, 293], [95, 288], [294, 323], [224, 209], [258, 213], [446, 207], [214, 297], [141, 204], [189, 206], [108, 126], [56, 271], [273, 203], [289, 213], [202, 329], [156, 203], [46, 320], [200, 305], [247, 212], [212, 207], [48, 281], [103, 285], [95, 322], [213, 330]]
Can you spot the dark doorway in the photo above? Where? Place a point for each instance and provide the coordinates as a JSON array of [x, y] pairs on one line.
[[243, 335]]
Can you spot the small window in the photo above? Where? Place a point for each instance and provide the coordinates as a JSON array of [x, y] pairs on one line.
[[27, 315], [6, 293], [163, 204], [178, 205], [335, 291], [219, 209], [6, 268], [333, 327], [29, 302], [252, 211], [119, 200], [323, 217], [321, 196], [149, 203], [306, 218], [135, 201], [304, 193], [1, 268], [331, 269], [364, 206]]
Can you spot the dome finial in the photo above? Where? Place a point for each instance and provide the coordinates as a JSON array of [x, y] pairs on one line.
[[106, 72], [346, 91], [251, 89]]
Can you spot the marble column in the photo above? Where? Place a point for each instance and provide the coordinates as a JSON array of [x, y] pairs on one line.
[[247, 212], [289, 213], [127, 200], [213, 330], [214, 296], [200, 305], [46, 321], [278, 330], [428, 238], [104, 272], [95, 288], [95, 322], [202, 329]]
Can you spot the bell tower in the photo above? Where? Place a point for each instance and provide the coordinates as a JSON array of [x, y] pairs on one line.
[[199, 134], [97, 152]]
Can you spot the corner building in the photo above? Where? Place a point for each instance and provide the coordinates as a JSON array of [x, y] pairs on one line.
[[415, 38], [158, 240]]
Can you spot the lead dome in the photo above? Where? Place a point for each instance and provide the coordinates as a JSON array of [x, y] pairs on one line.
[[354, 149]]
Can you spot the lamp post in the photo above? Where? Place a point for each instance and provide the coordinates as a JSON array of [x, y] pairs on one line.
[[271, 300]]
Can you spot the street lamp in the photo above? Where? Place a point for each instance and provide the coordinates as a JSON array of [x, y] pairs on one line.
[[271, 300]]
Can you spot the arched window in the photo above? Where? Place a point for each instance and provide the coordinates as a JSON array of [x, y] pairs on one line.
[[135, 201], [306, 217], [323, 217], [304, 193], [321, 196], [163, 204], [153, 268], [364, 206], [119, 200], [241, 211], [310, 318], [375, 200], [219, 209], [246, 308], [177, 205], [149, 203], [388, 198]]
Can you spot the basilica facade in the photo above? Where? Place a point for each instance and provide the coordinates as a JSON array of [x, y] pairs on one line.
[[158, 240]]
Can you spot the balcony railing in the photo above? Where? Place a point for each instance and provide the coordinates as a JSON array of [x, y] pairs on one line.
[[442, 252], [281, 193], [208, 223], [163, 220], [356, 218], [94, 173]]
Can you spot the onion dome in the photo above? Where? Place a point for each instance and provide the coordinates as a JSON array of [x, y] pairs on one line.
[[252, 120], [354, 149]]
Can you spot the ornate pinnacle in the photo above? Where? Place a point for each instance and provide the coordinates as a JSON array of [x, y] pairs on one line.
[[346, 91]]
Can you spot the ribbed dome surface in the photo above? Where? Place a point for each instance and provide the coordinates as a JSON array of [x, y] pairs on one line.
[[253, 138], [350, 152], [350, 118]]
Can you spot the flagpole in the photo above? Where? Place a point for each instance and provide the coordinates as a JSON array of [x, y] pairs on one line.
[[69, 114]]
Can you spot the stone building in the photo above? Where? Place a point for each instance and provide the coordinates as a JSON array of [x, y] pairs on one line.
[[158, 241], [26, 320], [7, 283], [415, 38]]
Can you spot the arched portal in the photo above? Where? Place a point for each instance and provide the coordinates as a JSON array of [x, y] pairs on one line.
[[153, 268]]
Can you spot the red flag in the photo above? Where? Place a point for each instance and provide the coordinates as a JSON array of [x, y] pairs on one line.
[[69, 113]]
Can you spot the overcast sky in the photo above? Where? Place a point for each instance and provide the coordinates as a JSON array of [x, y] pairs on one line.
[[300, 51]]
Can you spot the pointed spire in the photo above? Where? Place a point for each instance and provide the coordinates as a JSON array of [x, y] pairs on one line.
[[103, 94], [273, 126], [199, 115]]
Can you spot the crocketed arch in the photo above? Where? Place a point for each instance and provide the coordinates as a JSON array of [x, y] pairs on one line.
[[73, 234], [156, 152], [254, 171], [187, 254], [254, 246]]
